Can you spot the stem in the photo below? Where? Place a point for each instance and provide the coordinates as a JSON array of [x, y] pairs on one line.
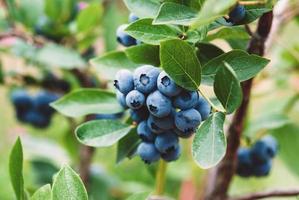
[[161, 177], [252, 3]]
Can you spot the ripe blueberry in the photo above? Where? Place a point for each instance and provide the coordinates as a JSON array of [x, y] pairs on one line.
[[237, 14], [186, 100], [148, 152], [124, 81], [166, 142], [172, 154], [203, 107], [165, 123], [42, 101], [21, 100], [153, 126], [264, 149], [139, 114], [262, 169], [244, 164], [182, 134], [135, 99], [121, 98], [158, 104], [145, 78], [133, 17], [167, 86], [37, 119], [144, 132], [123, 38], [187, 120]]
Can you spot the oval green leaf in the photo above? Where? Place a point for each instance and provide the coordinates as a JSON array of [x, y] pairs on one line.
[[101, 133], [143, 8], [43, 193], [179, 60], [87, 101], [209, 143], [68, 185]]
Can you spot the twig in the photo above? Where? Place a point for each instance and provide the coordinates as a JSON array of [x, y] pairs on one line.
[[270, 193], [160, 178], [221, 176]]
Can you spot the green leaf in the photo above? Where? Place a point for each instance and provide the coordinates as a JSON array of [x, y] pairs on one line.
[[144, 54], [101, 133], [87, 101], [253, 13], [1, 74], [43, 193], [146, 32], [143, 8], [245, 66], [139, 196], [60, 11], [207, 51], [196, 35], [16, 170], [226, 33], [110, 63], [127, 146], [179, 60], [173, 13], [209, 143], [68, 185], [228, 89], [89, 18], [211, 10], [53, 55]]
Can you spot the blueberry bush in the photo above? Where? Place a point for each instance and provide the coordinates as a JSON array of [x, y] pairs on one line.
[[168, 86]]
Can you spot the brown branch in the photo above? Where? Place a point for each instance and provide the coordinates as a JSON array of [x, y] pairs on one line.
[[270, 193], [221, 176]]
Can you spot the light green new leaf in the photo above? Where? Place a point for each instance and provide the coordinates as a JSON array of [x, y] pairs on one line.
[[173, 13], [211, 10], [144, 54], [16, 170], [43, 193], [179, 60], [226, 33], [68, 185], [89, 17], [139, 196], [101, 133], [228, 89], [110, 63], [149, 33], [245, 66], [53, 55], [143, 8], [87, 101], [209, 143]]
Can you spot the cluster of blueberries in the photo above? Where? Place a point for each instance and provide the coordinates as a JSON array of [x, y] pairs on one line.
[[257, 160], [163, 111], [34, 110], [237, 14], [122, 37]]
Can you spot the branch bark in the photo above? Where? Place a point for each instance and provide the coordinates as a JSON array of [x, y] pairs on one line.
[[270, 193], [221, 176]]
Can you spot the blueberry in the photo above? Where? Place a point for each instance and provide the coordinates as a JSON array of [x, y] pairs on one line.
[[153, 126], [172, 154], [145, 78], [262, 169], [135, 99], [187, 120], [148, 152], [182, 134], [139, 114], [123, 38], [158, 104], [37, 119], [164, 123], [133, 17], [144, 132], [121, 98], [167, 86], [203, 107], [244, 162], [124, 81], [42, 101], [186, 100], [264, 150], [21, 100], [237, 14], [166, 142]]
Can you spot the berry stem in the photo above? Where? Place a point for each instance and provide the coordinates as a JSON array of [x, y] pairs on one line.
[[252, 3], [161, 178]]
